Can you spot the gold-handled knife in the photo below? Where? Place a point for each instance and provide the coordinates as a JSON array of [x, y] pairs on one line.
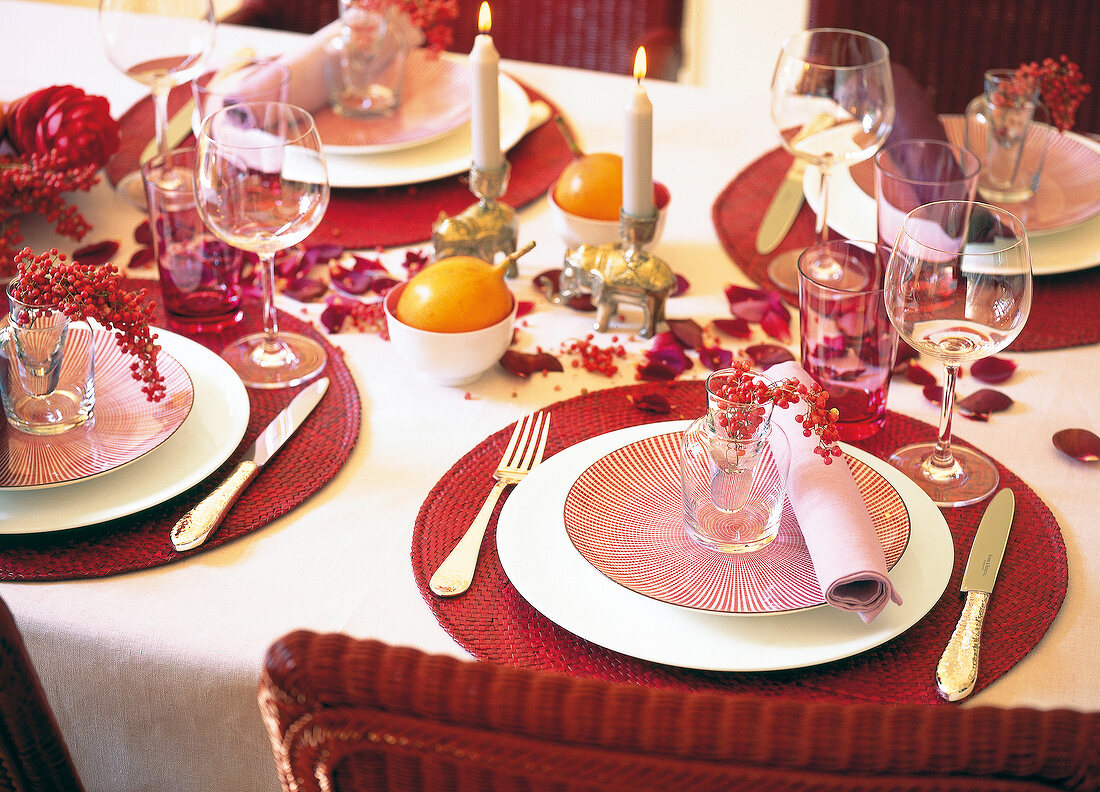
[[179, 125], [195, 526], [788, 198], [957, 670]]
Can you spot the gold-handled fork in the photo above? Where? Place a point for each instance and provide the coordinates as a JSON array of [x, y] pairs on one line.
[[524, 451]]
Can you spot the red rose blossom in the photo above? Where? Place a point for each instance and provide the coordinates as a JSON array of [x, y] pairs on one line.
[[64, 119]]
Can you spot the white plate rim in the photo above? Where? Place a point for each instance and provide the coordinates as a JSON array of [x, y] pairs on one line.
[[1054, 252], [446, 156], [556, 580], [209, 435]]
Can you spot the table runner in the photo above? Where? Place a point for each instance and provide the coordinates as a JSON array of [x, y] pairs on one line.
[[1065, 309], [386, 216], [493, 622], [310, 458]]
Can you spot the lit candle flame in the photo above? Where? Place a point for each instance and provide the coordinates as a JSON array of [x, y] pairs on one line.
[[639, 63], [484, 19]]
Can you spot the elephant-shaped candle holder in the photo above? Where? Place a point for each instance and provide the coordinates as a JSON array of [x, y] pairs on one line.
[[483, 229]]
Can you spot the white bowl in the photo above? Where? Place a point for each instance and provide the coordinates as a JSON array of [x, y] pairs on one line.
[[448, 358], [576, 230]]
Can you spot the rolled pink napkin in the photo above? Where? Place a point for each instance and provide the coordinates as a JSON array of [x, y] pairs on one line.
[[840, 536]]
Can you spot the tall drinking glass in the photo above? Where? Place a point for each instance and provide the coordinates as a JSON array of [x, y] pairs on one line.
[[958, 288], [261, 184], [161, 44], [832, 101]]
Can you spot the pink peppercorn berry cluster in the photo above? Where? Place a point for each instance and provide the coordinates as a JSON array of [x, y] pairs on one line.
[[1061, 87], [94, 292], [746, 395]]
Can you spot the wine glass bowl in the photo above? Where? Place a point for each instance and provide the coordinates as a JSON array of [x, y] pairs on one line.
[[832, 102], [261, 185], [958, 288], [161, 44]]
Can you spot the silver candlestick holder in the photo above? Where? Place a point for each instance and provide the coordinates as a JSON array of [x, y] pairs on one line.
[[482, 229], [623, 272]]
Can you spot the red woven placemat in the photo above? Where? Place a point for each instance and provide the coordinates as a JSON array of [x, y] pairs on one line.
[[310, 458], [493, 622], [1065, 309], [388, 216]]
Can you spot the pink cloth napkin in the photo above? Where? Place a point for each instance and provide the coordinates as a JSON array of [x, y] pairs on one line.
[[839, 534]]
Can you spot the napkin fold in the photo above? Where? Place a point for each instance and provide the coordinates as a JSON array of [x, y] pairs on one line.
[[915, 117], [840, 536]]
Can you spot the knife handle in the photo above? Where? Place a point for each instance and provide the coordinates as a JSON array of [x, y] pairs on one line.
[[193, 528], [957, 670]]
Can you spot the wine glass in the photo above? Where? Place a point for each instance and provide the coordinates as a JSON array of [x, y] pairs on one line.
[[159, 43], [832, 101], [958, 288], [261, 184]]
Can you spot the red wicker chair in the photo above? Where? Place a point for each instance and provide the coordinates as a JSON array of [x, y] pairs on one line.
[[588, 34], [33, 754], [358, 715], [949, 45]]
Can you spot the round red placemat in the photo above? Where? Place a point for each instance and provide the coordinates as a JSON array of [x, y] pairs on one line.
[[1064, 309], [310, 458], [387, 216], [493, 622]]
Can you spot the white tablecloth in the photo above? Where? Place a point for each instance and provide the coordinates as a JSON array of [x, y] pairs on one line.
[[153, 674]]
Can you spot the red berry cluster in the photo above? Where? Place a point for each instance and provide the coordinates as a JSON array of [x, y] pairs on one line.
[[1061, 87], [746, 394], [434, 17], [593, 358], [36, 184], [93, 292]]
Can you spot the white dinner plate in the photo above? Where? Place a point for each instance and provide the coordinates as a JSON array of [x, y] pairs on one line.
[[852, 214], [212, 431], [446, 156], [554, 577]]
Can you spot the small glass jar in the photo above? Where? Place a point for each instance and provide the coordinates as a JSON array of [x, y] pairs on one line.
[[1008, 129], [734, 486], [365, 61]]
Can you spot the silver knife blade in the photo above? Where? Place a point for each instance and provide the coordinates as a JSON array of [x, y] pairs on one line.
[[195, 526], [787, 200], [957, 671]]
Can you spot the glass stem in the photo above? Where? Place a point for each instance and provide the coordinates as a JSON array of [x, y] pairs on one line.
[[941, 456], [160, 115], [267, 289], [823, 199]]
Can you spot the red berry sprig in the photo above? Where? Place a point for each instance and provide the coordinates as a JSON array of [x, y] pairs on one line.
[[94, 292], [1061, 87], [746, 393]]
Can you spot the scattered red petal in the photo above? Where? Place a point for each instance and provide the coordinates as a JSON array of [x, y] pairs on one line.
[[993, 369], [524, 364], [143, 234], [715, 358], [933, 392], [775, 300], [682, 285], [904, 356], [767, 355], [350, 281], [548, 283], [99, 253], [656, 371], [319, 254], [305, 289], [736, 294], [687, 332], [777, 327], [1081, 444], [919, 375], [524, 307], [750, 310], [332, 318], [289, 263], [738, 328], [671, 355], [979, 404], [142, 258], [652, 402]]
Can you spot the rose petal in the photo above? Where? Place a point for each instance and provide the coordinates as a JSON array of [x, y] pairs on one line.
[[775, 300], [291, 263], [715, 358], [524, 307], [652, 402], [919, 375], [318, 254], [332, 318], [983, 402], [777, 327], [142, 258], [687, 332], [670, 355], [143, 234], [736, 294], [94, 255], [750, 310], [993, 369], [933, 392], [304, 289], [363, 264], [524, 364], [767, 355], [656, 371], [548, 283], [351, 281], [738, 328], [1080, 444]]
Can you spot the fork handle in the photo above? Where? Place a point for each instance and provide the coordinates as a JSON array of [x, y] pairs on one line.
[[456, 572]]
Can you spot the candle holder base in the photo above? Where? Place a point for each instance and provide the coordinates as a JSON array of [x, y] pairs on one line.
[[619, 273], [482, 229]]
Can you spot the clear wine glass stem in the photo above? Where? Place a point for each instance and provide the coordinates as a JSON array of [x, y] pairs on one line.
[[823, 201], [271, 344], [941, 462], [160, 114]]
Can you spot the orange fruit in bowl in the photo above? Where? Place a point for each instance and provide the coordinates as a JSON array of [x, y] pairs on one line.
[[592, 186], [456, 295]]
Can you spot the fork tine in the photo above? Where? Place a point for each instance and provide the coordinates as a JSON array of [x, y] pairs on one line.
[[514, 452], [526, 462], [544, 433], [514, 441]]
